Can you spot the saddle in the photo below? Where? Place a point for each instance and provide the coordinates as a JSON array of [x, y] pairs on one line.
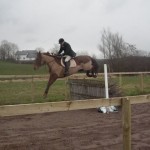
[[71, 62]]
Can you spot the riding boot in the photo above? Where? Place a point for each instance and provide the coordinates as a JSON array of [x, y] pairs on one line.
[[66, 68]]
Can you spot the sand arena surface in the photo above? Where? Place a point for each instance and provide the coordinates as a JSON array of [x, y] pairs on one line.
[[74, 130]]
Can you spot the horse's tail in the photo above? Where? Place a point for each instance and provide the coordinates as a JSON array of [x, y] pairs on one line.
[[94, 70], [95, 67]]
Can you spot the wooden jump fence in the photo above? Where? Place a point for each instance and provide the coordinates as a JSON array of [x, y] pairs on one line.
[[86, 89], [91, 89], [125, 102]]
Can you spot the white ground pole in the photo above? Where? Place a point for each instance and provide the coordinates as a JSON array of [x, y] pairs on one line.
[[110, 108]]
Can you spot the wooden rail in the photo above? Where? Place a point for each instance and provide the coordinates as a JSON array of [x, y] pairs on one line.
[[125, 102], [24, 77], [23, 109]]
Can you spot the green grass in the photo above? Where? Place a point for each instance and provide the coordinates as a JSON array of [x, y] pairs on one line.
[[26, 92], [7, 68], [131, 85]]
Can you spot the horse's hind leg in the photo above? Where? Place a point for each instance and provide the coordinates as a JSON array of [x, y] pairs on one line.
[[94, 75], [88, 73], [91, 73], [52, 79]]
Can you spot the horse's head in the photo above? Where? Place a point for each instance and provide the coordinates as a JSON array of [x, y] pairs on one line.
[[38, 61]]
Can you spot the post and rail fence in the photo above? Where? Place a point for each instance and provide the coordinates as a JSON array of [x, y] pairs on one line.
[[125, 102], [77, 76]]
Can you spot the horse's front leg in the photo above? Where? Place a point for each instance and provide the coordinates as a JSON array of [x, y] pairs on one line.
[[52, 79]]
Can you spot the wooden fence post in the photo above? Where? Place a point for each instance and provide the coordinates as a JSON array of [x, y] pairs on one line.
[[32, 88], [141, 82], [120, 80], [66, 89], [126, 123]]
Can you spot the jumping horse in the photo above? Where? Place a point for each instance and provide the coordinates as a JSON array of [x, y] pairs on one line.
[[56, 67]]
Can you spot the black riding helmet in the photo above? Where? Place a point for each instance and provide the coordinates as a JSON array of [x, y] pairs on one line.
[[61, 40]]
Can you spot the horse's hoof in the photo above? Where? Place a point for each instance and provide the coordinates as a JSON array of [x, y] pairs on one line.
[[94, 76]]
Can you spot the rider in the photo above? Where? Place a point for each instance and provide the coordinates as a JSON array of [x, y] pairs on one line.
[[68, 53]]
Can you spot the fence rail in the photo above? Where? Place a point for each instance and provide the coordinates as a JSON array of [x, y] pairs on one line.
[[22, 109], [22, 77], [80, 75]]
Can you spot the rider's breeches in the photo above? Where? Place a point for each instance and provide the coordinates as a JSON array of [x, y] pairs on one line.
[[67, 58]]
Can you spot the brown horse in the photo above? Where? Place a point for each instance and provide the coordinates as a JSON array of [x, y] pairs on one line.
[[56, 68]]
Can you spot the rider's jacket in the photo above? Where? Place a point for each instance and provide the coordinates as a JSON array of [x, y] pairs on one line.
[[67, 50]]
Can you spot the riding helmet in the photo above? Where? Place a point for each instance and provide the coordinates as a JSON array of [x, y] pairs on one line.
[[61, 40]]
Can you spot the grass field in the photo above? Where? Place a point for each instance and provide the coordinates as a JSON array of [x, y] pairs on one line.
[[131, 85], [32, 92], [28, 92], [7, 68]]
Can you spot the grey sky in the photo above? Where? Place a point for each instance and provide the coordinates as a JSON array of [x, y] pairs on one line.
[[40, 23]]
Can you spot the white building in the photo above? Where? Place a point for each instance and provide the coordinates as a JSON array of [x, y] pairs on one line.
[[25, 55]]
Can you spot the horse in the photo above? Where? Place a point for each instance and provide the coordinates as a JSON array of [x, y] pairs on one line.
[[56, 67]]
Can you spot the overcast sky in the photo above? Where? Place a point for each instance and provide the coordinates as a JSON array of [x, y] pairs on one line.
[[40, 23]]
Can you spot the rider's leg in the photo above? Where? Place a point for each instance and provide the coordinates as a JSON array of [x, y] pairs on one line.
[[67, 65]]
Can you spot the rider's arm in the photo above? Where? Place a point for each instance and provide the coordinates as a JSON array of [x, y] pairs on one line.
[[60, 50]]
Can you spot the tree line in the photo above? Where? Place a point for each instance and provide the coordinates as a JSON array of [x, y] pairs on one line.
[[121, 56], [8, 50], [127, 64]]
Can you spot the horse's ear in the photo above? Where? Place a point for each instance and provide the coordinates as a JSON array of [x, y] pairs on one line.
[[39, 54]]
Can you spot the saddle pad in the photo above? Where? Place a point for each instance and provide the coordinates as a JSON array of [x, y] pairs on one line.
[[72, 63]]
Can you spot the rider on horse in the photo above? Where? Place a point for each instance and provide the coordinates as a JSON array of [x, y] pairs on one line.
[[68, 53]]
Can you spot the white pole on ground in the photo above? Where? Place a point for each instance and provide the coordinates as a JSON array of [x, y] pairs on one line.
[[106, 81], [110, 108], [104, 109]]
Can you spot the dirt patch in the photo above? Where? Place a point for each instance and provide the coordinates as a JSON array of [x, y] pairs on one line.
[[74, 130]]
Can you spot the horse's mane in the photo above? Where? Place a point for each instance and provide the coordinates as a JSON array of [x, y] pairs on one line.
[[48, 54], [52, 55], [56, 57]]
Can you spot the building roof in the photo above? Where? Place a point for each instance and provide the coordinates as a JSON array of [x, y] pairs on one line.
[[29, 53]]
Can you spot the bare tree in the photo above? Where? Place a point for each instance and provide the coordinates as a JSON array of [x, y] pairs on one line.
[[112, 46], [39, 49], [94, 56], [8, 50], [55, 49], [82, 53], [14, 49]]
